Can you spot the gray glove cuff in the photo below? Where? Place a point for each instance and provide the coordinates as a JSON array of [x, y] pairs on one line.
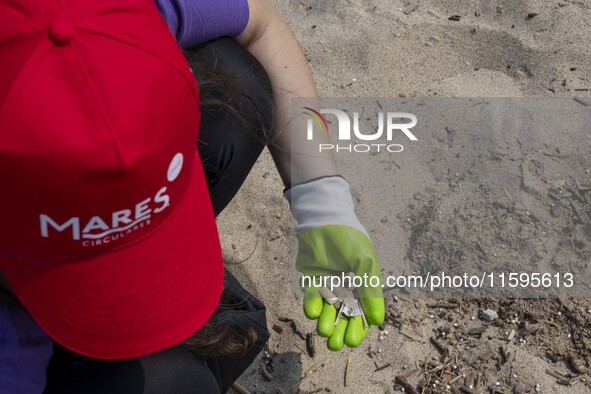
[[323, 202]]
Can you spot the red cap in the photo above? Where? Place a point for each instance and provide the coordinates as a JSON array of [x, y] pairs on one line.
[[108, 235]]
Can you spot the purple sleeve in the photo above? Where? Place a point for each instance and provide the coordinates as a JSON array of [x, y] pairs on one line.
[[196, 21], [25, 351]]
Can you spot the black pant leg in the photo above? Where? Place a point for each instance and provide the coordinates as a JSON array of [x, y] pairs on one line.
[[171, 371], [231, 139]]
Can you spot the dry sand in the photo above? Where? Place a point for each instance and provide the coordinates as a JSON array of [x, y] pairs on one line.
[[391, 48]]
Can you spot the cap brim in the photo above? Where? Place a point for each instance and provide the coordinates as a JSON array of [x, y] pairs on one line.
[[134, 301]]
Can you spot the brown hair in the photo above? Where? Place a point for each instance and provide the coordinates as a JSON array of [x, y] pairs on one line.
[[219, 88], [220, 337]]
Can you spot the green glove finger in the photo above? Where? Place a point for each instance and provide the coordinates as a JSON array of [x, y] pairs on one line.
[[355, 332], [325, 326], [337, 339], [374, 310], [313, 308], [312, 303]]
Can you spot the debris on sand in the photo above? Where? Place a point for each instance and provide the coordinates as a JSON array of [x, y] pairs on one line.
[[310, 345], [578, 365], [582, 102], [408, 388], [433, 14], [240, 389], [295, 326], [266, 374], [410, 6], [489, 315], [277, 328], [348, 370]]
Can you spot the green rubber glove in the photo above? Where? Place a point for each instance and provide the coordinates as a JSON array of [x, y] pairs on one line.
[[332, 242]]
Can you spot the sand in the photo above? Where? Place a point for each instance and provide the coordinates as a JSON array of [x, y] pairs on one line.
[[398, 49]]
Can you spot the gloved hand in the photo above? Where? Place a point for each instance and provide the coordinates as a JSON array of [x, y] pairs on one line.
[[332, 241]]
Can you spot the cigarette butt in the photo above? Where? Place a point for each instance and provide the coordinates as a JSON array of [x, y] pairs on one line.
[[348, 370], [241, 389]]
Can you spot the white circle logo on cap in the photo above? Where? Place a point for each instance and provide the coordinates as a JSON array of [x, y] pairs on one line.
[[175, 167]]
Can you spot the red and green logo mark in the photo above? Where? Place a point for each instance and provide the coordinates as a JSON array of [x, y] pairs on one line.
[[317, 117]]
